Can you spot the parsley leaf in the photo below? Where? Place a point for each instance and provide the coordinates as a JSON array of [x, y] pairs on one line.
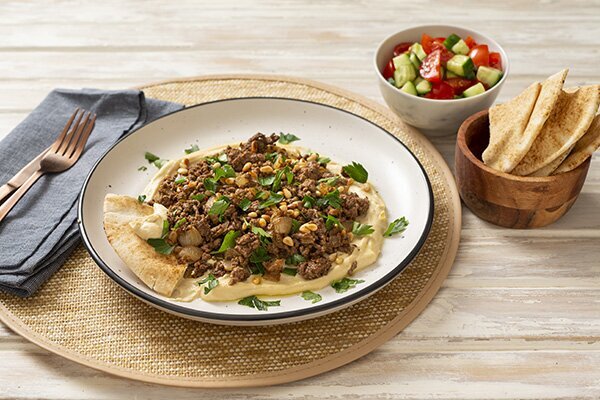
[[180, 222], [289, 176], [211, 281], [255, 302], [295, 225], [330, 199], [290, 271], [165, 230], [142, 198], [228, 242], [266, 180], [180, 180], [273, 199], [142, 168], [397, 226], [219, 206], [260, 232], [324, 160], [159, 163], [210, 185], [287, 138], [356, 171], [331, 181], [295, 259], [224, 171], [359, 229], [161, 246], [245, 204], [343, 285], [193, 148], [222, 158], [311, 296], [257, 258], [308, 201], [151, 157], [332, 221], [198, 197], [271, 156]]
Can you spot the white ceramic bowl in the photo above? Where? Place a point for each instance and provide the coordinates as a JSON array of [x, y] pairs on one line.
[[434, 117]]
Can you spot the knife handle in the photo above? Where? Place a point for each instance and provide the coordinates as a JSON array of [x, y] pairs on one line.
[[20, 177], [5, 190], [14, 199]]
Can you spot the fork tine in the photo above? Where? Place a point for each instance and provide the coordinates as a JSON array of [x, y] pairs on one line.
[[75, 138], [61, 137], [83, 140], [67, 139]]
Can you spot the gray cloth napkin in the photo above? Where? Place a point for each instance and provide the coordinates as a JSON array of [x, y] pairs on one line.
[[40, 232]]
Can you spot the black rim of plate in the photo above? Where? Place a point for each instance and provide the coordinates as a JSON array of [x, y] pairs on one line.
[[310, 309]]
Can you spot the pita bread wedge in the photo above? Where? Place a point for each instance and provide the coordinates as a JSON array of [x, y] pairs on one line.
[[550, 168], [160, 272], [508, 121], [568, 122], [584, 148]]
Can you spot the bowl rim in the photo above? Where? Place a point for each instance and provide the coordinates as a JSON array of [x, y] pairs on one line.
[[487, 39], [461, 144]]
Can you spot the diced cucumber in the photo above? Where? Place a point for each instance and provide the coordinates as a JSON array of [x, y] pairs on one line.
[[404, 74], [418, 80], [409, 88], [474, 90], [461, 48], [402, 59], [461, 65], [418, 50], [423, 87], [489, 76], [450, 74], [415, 60], [451, 41]]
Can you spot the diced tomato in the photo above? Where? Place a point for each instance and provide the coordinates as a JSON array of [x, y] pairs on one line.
[[460, 84], [431, 68], [426, 42], [441, 91], [439, 39], [401, 48], [480, 55], [445, 54], [470, 42], [388, 71], [495, 60]]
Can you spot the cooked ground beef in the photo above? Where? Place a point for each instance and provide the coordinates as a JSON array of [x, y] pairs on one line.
[[248, 209]]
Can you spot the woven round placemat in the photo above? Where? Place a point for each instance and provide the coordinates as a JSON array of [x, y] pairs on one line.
[[82, 315]]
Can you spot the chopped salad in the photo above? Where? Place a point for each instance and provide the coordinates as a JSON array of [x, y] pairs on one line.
[[444, 68]]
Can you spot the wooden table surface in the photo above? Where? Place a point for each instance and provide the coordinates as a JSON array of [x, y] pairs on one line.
[[519, 315]]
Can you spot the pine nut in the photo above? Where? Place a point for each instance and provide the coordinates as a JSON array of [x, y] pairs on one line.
[[332, 257], [192, 184], [252, 214], [288, 241], [182, 171], [266, 217], [216, 165], [350, 181], [256, 280], [318, 193], [262, 223], [341, 189], [312, 157], [247, 167], [350, 235], [266, 169], [253, 174], [308, 227], [339, 260], [230, 181], [287, 193], [283, 208], [367, 188], [296, 213]]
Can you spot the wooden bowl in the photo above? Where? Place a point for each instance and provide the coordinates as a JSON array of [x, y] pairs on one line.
[[509, 200]]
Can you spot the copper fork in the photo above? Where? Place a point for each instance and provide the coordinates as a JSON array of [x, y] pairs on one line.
[[64, 152]]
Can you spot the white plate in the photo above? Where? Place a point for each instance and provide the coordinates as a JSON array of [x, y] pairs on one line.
[[338, 134]]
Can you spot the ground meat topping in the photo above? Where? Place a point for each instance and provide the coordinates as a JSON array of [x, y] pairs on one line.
[[248, 209]]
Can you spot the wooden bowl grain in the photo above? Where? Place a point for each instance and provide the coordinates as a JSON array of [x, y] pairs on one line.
[[504, 199]]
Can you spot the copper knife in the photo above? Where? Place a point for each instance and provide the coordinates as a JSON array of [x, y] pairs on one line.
[[16, 181]]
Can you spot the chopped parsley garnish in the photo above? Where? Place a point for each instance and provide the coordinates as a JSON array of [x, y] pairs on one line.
[[255, 302], [165, 230], [330, 199], [154, 159], [193, 148], [161, 246], [311, 296], [356, 171], [179, 223], [257, 258], [260, 194], [289, 176], [180, 180], [308, 201], [245, 204], [266, 180], [287, 138], [290, 271], [331, 181], [273, 199], [142, 168], [210, 185], [228, 242], [397, 226], [198, 197], [211, 282], [224, 171], [359, 229], [324, 160], [142, 198], [295, 225], [271, 156], [343, 285], [219, 206], [260, 232], [295, 259], [332, 221], [221, 158]]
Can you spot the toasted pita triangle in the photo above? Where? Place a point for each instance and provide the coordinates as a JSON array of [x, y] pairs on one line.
[[160, 272], [569, 121], [550, 168], [508, 144], [584, 148]]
